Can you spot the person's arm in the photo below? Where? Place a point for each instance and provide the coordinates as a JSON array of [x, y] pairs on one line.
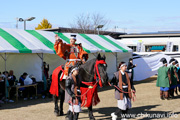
[[114, 81], [68, 85], [131, 66], [60, 47], [83, 54], [169, 76], [14, 77], [21, 81], [176, 74]]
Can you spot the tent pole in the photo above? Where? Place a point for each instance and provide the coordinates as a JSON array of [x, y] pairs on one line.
[[4, 58], [42, 66], [116, 59], [5, 61], [43, 75], [42, 59], [5, 81]]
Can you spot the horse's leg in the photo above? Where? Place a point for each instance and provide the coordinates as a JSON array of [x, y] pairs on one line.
[[55, 99], [62, 96], [91, 116]]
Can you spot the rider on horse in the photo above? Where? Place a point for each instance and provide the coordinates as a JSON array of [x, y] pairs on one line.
[[72, 52]]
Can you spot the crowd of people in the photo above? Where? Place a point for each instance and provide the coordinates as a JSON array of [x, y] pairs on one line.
[[168, 79], [9, 80]]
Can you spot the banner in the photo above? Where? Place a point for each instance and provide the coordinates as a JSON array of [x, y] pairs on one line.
[[140, 46], [169, 46]]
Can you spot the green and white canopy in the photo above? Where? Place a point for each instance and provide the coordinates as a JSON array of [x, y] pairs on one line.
[[32, 41]]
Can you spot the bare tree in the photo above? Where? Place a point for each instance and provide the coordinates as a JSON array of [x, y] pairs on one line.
[[86, 23]]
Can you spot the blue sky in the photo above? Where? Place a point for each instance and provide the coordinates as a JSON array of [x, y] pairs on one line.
[[129, 15]]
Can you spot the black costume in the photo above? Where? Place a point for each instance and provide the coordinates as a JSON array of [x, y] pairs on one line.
[[130, 70]]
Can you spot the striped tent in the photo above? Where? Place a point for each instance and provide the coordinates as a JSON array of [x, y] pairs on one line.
[[38, 46], [31, 41]]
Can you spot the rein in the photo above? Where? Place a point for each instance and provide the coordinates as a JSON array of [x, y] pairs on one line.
[[133, 93], [96, 70]]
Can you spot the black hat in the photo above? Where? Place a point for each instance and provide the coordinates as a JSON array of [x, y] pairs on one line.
[[130, 59], [163, 60], [176, 62], [73, 37], [172, 60]]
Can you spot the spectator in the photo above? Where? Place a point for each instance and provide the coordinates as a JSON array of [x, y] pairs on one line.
[[131, 72], [46, 70], [21, 81], [31, 89], [45, 77], [5, 75], [2, 89], [11, 78]]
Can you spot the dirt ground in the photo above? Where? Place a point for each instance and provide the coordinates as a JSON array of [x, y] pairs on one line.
[[148, 106]]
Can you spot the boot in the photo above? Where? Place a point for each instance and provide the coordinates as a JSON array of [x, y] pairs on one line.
[[61, 113], [56, 111], [91, 116], [76, 115]]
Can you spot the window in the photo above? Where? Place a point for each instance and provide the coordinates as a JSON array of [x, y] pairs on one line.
[[133, 48], [175, 48]]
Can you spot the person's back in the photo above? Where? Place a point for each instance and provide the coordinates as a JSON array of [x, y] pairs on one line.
[[163, 80], [172, 68]]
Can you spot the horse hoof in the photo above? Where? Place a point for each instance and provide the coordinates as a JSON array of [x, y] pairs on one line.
[[61, 113], [56, 112], [92, 119]]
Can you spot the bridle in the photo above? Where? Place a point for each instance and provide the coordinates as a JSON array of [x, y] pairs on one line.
[[96, 71]]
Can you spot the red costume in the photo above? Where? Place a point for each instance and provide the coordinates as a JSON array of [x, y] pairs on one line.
[[71, 53]]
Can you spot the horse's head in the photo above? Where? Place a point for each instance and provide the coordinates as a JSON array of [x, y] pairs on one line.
[[102, 67]]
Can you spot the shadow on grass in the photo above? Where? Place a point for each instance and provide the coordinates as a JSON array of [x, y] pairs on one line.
[[148, 80], [140, 113]]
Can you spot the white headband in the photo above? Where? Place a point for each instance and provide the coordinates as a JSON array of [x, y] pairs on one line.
[[172, 62], [164, 63], [73, 38], [76, 68], [122, 65]]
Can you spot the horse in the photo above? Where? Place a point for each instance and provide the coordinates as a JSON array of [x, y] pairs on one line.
[[92, 73]]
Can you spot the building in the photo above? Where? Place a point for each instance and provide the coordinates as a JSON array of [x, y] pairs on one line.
[[168, 41], [115, 35]]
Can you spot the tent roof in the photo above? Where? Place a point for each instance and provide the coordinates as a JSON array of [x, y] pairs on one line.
[[32, 41]]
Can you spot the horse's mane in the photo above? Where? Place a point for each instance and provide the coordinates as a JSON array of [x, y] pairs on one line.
[[88, 63]]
